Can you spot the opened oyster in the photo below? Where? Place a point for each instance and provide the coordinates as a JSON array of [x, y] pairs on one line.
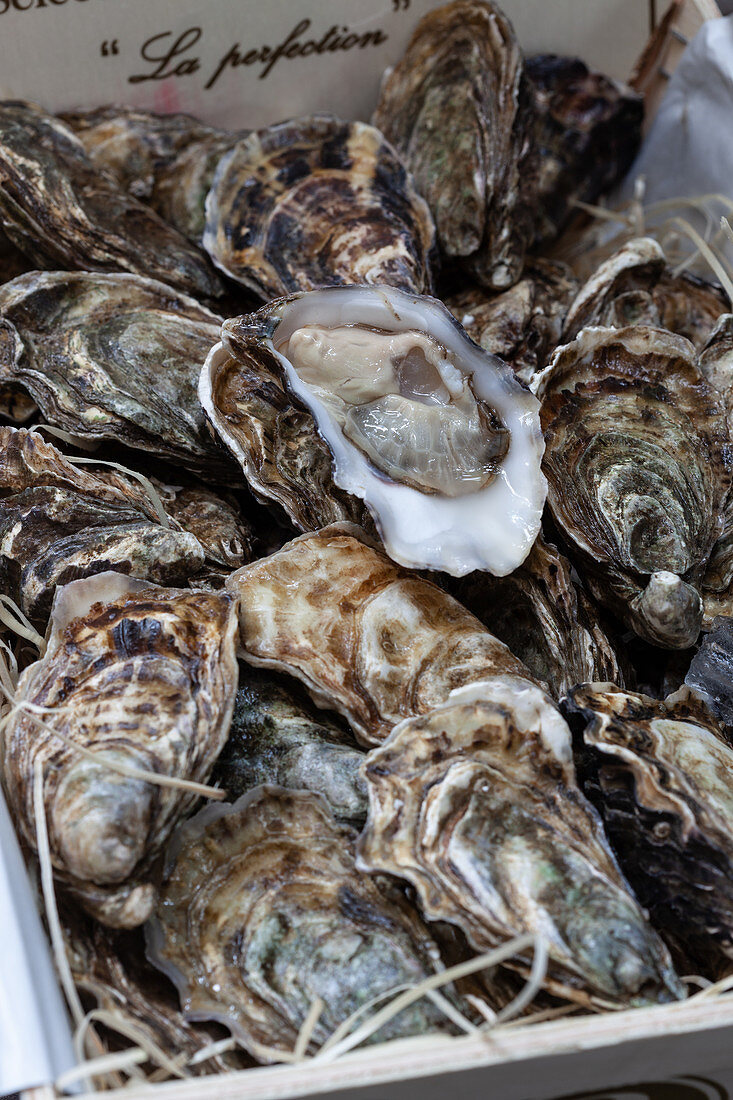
[[659, 772], [637, 472], [264, 911], [113, 357], [476, 805], [315, 202], [439, 440], [133, 677], [366, 638], [457, 108], [62, 212]]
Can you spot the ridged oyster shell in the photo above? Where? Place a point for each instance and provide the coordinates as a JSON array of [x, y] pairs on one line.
[[218, 523], [440, 441], [264, 910], [457, 108], [137, 675], [477, 806], [316, 202]]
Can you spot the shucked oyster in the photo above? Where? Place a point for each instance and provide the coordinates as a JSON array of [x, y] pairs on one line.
[[477, 806], [138, 676], [637, 473], [264, 911], [457, 108], [113, 357], [315, 202], [659, 772], [62, 212], [439, 440], [366, 638]]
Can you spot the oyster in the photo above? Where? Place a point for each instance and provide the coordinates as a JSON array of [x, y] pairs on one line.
[[477, 806], [637, 469], [439, 440], [138, 676], [710, 674], [523, 324], [314, 202], [113, 357], [62, 212], [217, 522], [659, 773], [264, 911], [457, 108], [588, 131], [278, 736], [366, 638]]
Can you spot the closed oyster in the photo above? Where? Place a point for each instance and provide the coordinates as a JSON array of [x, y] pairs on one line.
[[659, 772], [523, 324], [457, 108], [588, 131], [368, 639], [440, 441], [477, 806], [113, 357], [264, 911], [315, 202], [710, 674], [217, 522], [137, 676], [637, 473], [62, 212], [278, 736]]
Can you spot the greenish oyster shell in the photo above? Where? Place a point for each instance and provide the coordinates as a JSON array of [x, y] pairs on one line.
[[636, 286], [63, 212], [263, 911], [637, 465], [138, 676], [278, 736], [476, 805], [545, 618], [317, 202], [659, 773], [367, 638], [522, 325], [113, 357], [457, 108]]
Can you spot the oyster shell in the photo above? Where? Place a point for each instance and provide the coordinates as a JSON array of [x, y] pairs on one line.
[[523, 324], [659, 772], [477, 806], [113, 357], [710, 674], [62, 212], [137, 675], [441, 441], [637, 470], [315, 202], [368, 639], [263, 911], [278, 736], [217, 522], [457, 109]]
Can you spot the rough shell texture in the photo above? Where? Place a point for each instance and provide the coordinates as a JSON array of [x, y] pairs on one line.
[[710, 674], [63, 212], [315, 202], [217, 522], [264, 911], [476, 805], [279, 736], [659, 772], [457, 108], [637, 470], [142, 677], [113, 357], [367, 638]]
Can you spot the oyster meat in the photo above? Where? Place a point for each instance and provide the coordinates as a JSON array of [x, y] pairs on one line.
[[133, 676], [457, 107], [316, 202], [477, 806], [264, 911], [440, 440]]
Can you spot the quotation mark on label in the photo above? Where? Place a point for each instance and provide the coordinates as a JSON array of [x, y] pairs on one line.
[[400, 5], [110, 49]]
